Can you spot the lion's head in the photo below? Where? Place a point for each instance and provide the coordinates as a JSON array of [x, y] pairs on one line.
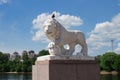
[[51, 29], [49, 26]]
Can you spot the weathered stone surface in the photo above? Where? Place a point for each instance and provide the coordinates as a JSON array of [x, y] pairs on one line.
[[66, 70], [60, 37], [64, 57]]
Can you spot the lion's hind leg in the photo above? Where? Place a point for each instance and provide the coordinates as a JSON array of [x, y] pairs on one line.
[[82, 42], [84, 49], [72, 48]]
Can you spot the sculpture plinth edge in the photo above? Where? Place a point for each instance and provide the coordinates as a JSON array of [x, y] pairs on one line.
[[64, 57]]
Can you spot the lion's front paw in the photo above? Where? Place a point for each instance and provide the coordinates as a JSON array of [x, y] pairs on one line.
[[54, 49]]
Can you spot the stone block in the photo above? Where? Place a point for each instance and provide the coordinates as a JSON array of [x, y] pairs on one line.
[[66, 70]]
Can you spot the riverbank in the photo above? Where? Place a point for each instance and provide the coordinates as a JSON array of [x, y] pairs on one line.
[[109, 73], [101, 72]]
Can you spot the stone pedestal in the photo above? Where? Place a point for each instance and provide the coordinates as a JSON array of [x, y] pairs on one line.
[[66, 70]]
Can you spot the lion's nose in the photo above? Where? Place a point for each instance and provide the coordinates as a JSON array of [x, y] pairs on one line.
[[46, 29]]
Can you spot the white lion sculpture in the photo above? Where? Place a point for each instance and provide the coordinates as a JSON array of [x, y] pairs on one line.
[[60, 37]]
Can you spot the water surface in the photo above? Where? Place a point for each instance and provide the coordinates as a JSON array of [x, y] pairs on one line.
[[21, 76], [110, 77]]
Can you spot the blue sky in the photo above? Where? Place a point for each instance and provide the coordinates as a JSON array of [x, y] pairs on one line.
[[100, 23]]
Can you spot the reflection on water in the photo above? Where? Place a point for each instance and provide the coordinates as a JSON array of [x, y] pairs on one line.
[[5, 76], [110, 77]]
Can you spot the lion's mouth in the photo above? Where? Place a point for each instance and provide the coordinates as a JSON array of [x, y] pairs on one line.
[[49, 32]]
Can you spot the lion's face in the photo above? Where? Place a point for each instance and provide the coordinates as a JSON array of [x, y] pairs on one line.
[[49, 27]]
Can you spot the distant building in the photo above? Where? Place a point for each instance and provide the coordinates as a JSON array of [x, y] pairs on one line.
[[31, 54], [24, 53], [15, 55]]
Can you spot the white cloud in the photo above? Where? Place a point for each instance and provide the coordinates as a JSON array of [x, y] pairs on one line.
[[65, 19], [103, 33], [4, 1], [118, 48]]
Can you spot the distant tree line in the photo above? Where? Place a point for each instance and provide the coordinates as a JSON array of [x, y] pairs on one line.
[[21, 63], [109, 61]]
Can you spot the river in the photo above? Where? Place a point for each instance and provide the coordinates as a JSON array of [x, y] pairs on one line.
[[13, 76], [5, 76]]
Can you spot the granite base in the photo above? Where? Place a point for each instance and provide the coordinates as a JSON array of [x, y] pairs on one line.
[[66, 70]]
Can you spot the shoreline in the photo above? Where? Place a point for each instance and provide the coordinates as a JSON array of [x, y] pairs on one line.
[[101, 73], [109, 73]]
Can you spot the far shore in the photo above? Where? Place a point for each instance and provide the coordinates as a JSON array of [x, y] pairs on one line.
[[109, 73], [101, 72]]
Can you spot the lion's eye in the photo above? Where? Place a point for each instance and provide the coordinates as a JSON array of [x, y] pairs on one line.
[[49, 26]]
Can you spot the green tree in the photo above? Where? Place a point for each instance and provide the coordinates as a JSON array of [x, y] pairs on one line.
[[6, 67], [43, 52], [97, 58], [107, 61], [18, 65], [4, 59], [25, 63], [1, 58], [1, 62], [11, 65], [15, 65], [116, 64]]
